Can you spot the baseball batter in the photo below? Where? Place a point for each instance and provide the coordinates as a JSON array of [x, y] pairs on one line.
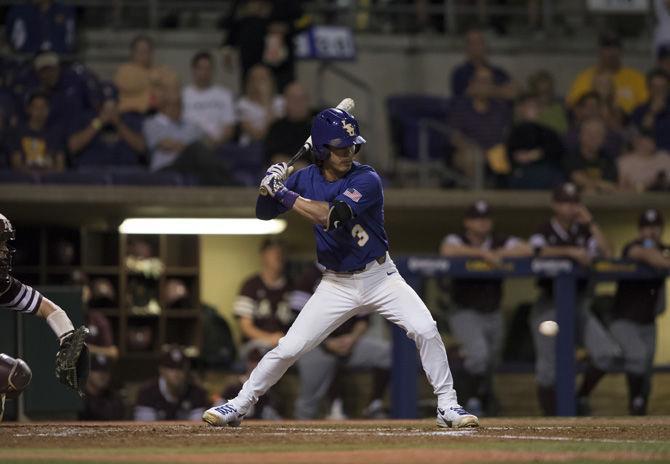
[[344, 200], [72, 358]]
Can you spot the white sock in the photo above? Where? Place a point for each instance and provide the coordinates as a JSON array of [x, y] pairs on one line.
[[59, 322]]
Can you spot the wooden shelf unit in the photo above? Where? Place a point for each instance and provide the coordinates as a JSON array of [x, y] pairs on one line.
[[51, 255]]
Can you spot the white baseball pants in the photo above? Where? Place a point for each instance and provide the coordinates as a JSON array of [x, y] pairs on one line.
[[340, 296]]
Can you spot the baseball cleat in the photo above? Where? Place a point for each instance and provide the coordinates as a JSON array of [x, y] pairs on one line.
[[225, 414], [456, 417]]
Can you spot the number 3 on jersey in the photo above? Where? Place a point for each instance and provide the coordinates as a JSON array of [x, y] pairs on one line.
[[360, 235]]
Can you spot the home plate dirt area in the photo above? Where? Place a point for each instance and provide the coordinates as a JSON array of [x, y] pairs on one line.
[[498, 440]]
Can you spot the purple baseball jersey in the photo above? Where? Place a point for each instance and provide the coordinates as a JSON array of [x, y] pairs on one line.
[[361, 239]]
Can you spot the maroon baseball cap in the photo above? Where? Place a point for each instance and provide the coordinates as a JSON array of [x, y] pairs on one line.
[[651, 217], [566, 193], [173, 357], [479, 209]]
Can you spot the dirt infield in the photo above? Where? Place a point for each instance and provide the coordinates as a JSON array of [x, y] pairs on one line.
[[498, 440]]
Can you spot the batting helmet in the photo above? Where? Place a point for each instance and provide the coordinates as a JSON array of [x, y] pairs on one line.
[[6, 251], [15, 376], [335, 128]]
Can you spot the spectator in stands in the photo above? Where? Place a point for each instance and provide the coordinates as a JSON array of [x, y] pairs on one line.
[[177, 145], [262, 307], [603, 85], [590, 106], [262, 31], [259, 106], [534, 150], [654, 115], [141, 80], [107, 137], [350, 346], [552, 110], [589, 167], [475, 318], [479, 120], [266, 407], [286, 135], [36, 147], [41, 25], [102, 402], [476, 57], [70, 88], [174, 395], [630, 89], [209, 106], [571, 233], [644, 167]]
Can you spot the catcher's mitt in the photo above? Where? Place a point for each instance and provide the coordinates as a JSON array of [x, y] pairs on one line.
[[72, 360]]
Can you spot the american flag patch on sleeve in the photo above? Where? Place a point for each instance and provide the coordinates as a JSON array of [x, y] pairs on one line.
[[353, 194]]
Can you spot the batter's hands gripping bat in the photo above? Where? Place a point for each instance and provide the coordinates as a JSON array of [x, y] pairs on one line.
[[347, 105]]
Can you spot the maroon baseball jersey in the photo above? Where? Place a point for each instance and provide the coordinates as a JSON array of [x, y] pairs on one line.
[[267, 306], [20, 297], [480, 294], [552, 234], [639, 300]]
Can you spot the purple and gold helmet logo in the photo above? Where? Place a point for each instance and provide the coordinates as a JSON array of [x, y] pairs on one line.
[[349, 128]]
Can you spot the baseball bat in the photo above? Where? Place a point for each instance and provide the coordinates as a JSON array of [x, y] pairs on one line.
[[347, 105]]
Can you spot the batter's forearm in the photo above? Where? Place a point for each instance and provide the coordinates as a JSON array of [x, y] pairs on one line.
[[315, 211]]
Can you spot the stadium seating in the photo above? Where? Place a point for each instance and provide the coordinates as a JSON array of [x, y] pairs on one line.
[[419, 135]]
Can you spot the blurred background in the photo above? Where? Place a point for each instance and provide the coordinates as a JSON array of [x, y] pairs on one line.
[[122, 109]]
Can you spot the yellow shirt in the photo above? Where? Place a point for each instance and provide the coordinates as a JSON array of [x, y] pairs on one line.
[[630, 84]]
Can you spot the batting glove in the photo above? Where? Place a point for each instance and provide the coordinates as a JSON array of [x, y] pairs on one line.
[[276, 189], [272, 183], [281, 170]]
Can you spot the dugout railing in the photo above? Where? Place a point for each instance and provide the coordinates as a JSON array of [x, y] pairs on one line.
[[563, 272]]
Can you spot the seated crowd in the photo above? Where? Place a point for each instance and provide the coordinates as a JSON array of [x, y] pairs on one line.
[[58, 118], [609, 133]]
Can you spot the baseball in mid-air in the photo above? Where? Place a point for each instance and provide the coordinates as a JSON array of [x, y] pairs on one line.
[[548, 328]]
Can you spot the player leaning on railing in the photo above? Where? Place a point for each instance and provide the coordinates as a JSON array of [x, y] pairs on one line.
[[344, 200], [72, 359]]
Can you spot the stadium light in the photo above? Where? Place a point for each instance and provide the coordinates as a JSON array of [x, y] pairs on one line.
[[201, 226]]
